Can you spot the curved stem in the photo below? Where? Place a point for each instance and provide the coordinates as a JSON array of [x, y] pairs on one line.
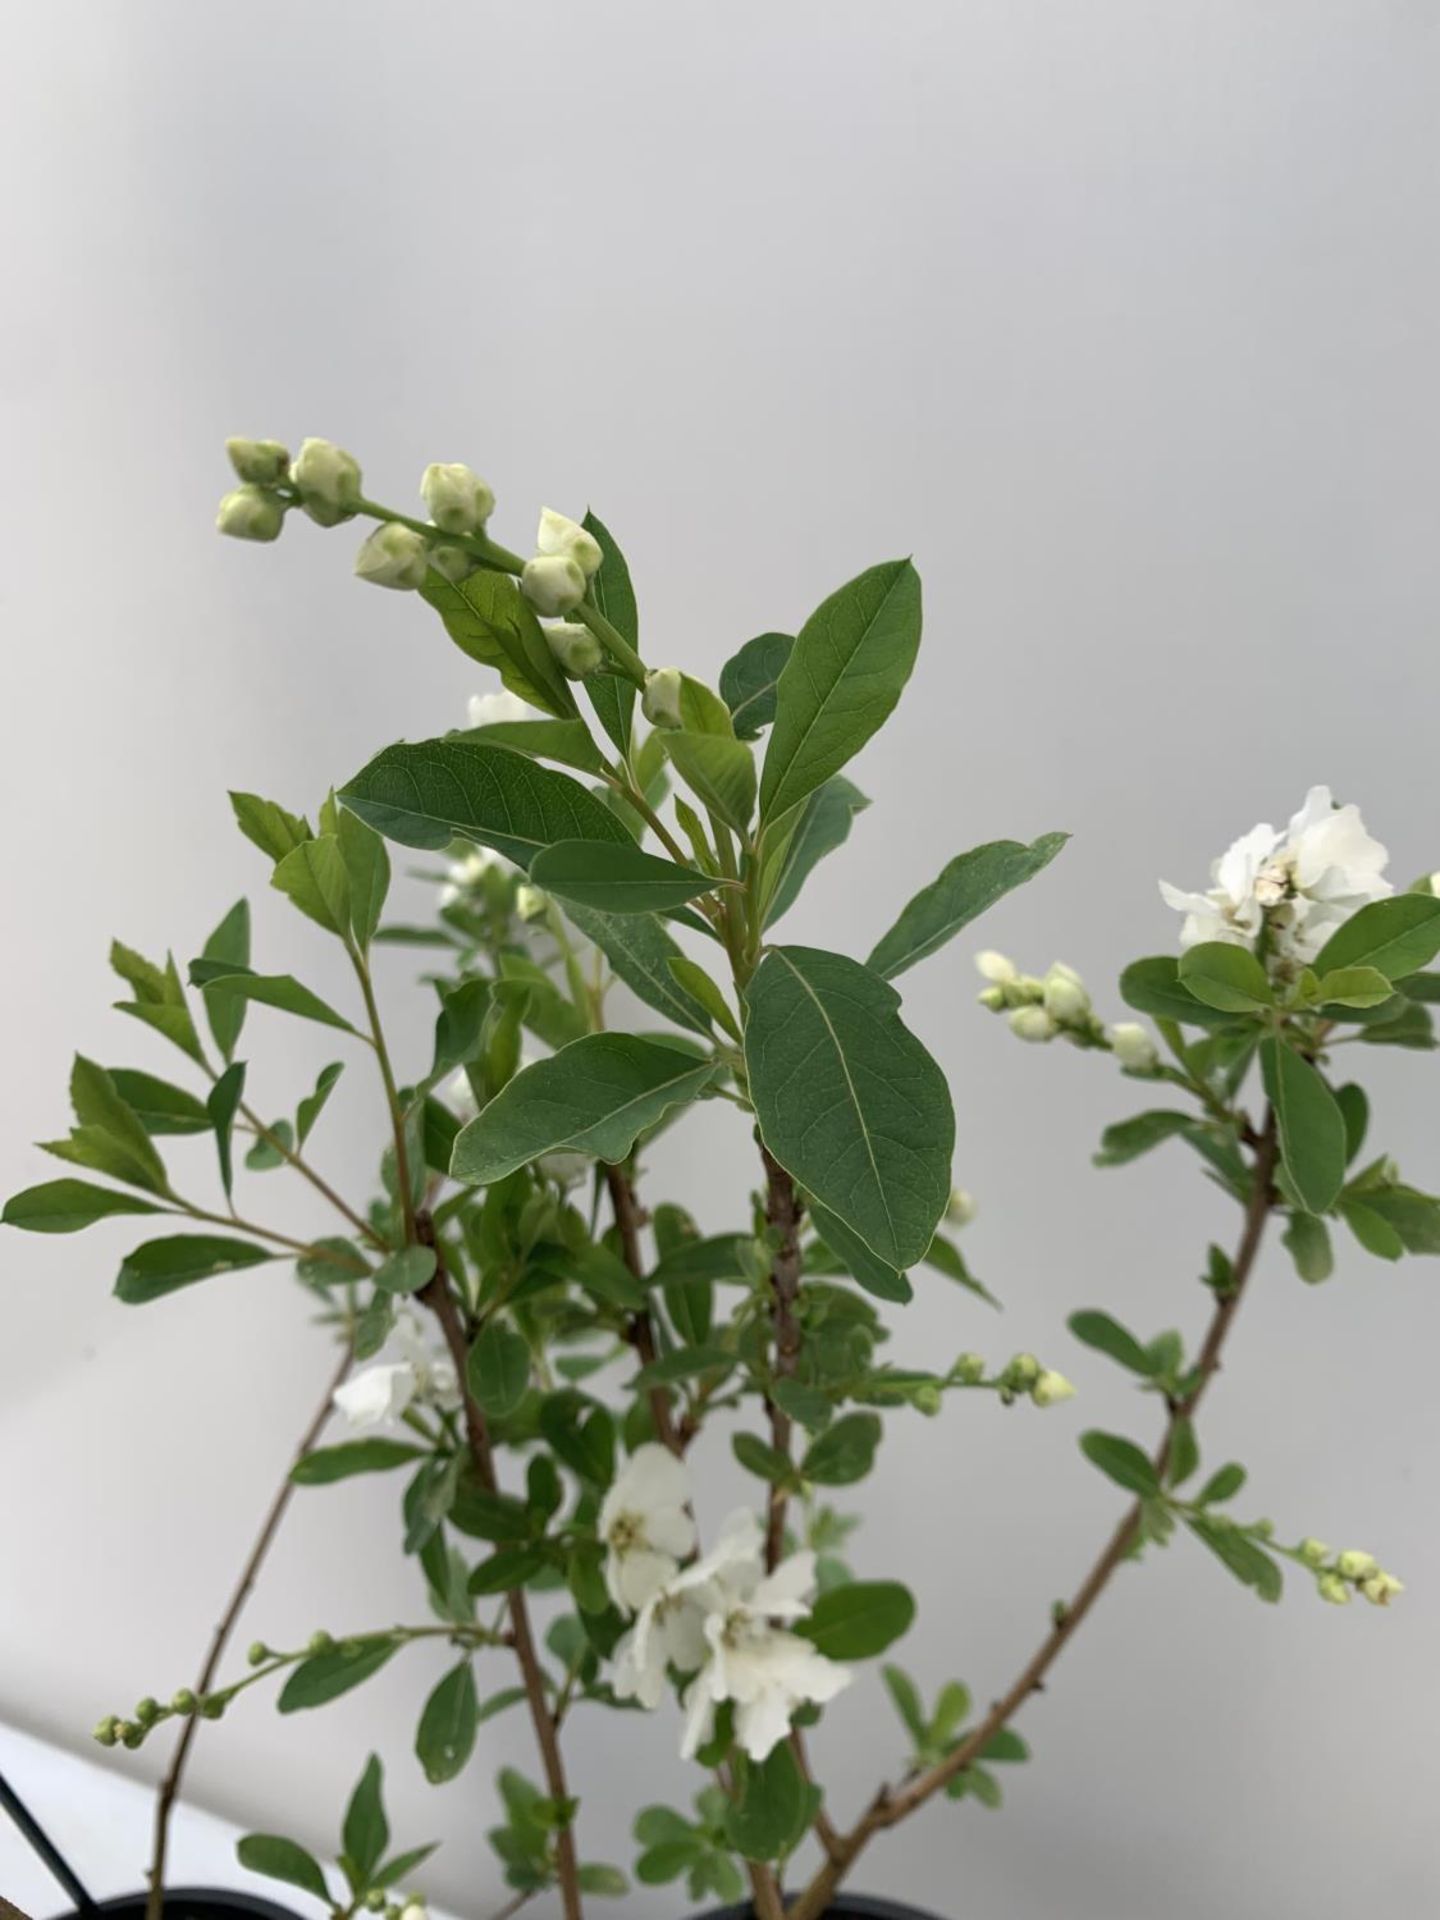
[[891, 1806], [170, 1786]]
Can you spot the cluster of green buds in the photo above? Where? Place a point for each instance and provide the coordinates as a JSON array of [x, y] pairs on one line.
[[1022, 1376], [116, 1730], [1339, 1577], [1058, 1006]]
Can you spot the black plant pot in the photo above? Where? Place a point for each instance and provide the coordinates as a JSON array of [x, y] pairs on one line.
[[849, 1906], [189, 1903]]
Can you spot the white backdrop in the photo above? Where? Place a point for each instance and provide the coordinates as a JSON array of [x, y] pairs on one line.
[[1122, 319]]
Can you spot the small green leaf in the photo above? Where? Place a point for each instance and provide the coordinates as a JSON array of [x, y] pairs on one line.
[[720, 771], [1126, 1140], [612, 696], [567, 741], [857, 1621], [1153, 986], [161, 1107], [1226, 977], [1184, 1452], [508, 1569], [1122, 1460], [765, 1462], [268, 826], [322, 1466], [1354, 987], [965, 889], [314, 879], [445, 1738], [760, 1823], [162, 1266], [1223, 1484], [488, 618], [903, 1692], [68, 1206], [1249, 1563], [368, 867], [686, 1363], [614, 878], [1395, 936], [697, 983], [325, 1676], [1311, 1125], [366, 1832], [499, 1369], [796, 845], [406, 1271], [605, 1882], [222, 1105], [1308, 1241], [102, 1112], [281, 1859], [230, 942], [640, 952], [748, 682], [844, 1452], [313, 1105], [281, 990], [1107, 1336]]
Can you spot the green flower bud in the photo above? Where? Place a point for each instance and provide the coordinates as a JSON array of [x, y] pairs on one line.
[[1313, 1552], [327, 480], [1333, 1589], [1355, 1565], [263, 462], [456, 563], [184, 1701], [457, 499], [993, 998], [660, 702], [1033, 1023], [1050, 1388], [375, 1900], [105, 1731], [927, 1398], [212, 1707], [147, 1711], [575, 647], [553, 583], [320, 1642], [969, 1367], [259, 1653], [1023, 1371], [250, 513], [1381, 1588], [393, 556], [131, 1735]]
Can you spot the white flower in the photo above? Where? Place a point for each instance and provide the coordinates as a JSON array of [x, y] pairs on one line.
[[669, 1631], [393, 556], [766, 1671], [1133, 1047], [383, 1392], [1306, 882], [559, 535], [996, 968], [644, 1525], [457, 499], [250, 513], [327, 480], [488, 709], [1050, 1388], [1435, 884], [465, 874], [660, 702], [553, 583], [1066, 1000], [261, 461]]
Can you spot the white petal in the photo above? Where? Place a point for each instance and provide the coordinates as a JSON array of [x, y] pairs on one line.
[[699, 1706], [379, 1393], [671, 1530], [761, 1724], [488, 709], [633, 1578], [788, 1591], [652, 1477], [681, 1631]]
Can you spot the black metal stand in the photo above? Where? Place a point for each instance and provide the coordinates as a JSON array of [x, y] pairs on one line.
[[32, 1830]]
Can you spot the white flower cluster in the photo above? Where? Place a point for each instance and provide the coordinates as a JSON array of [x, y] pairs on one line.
[[722, 1621], [1297, 886], [420, 1376]]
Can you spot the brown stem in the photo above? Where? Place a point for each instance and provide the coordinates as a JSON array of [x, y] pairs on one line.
[[782, 1210], [436, 1295], [170, 1786], [891, 1806], [641, 1329]]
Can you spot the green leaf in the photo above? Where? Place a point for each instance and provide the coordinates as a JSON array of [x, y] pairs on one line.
[[1122, 1460], [1308, 1241], [313, 1105], [1226, 977], [845, 673], [314, 878], [605, 1882], [281, 1859], [279, 990], [368, 866], [68, 1206], [1414, 1216], [323, 1466], [1311, 1125], [686, 1363], [568, 741], [366, 1832], [1354, 987], [222, 1105], [598, 1095], [499, 1369], [611, 695], [406, 1271], [857, 1621], [1395, 936], [809, 1407], [489, 619], [1126, 1140], [1249, 1563], [848, 1100], [1153, 986], [162, 1266], [1223, 1484], [427, 794], [764, 1461], [903, 1692], [795, 846], [1107, 1336], [668, 1859], [508, 1569], [966, 888], [844, 1453], [718, 770], [693, 979], [1184, 1452], [325, 1676], [749, 680], [1354, 1104], [161, 1107], [877, 1276], [269, 827], [615, 877], [101, 1111], [230, 942], [760, 1823], [641, 952], [445, 1738]]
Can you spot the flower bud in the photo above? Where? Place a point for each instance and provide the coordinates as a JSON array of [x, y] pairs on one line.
[[568, 537], [927, 1398], [414, 1910], [320, 1642], [1050, 1388], [259, 1653], [969, 1367], [327, 480], [105, 1731], [250, 513], [1332, 1588], [1381, 1587], [456, 563], [1355, 1565], [993, 998], [1435, 884], [457, 500], [393, 556], [553, 583], [575, 647], [261, 462], [660, 702], [995, 968], [147, 1711], [1033, 1023], [212, 1707], [1313, 1552], [962, 1208], [530, 902], [1023, 1371], [130, 1735], [1065, 998], [1133, 1047], [1025, 991], [184, 1701]]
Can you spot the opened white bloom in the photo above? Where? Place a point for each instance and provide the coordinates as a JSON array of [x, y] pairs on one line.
[[553, 583], [393, 556], [1303, 883], [645, 1526], [383, 1392], [559, 535], [489, 709], [456, 498], [752, 1658], [1133, 1047]]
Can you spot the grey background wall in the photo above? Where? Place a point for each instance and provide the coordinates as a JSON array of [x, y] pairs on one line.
[[1122, 319]]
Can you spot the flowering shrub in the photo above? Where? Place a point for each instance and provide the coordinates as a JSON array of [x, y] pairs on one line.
[[533, 1345]]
